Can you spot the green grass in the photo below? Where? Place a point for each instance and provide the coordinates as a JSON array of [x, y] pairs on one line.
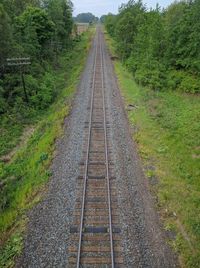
[[10, 133], [168, 137], [25, 176]]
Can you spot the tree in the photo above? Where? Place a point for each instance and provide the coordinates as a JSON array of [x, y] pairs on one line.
[[128, 21], [17, 7], [86, 18], [146, 60], [183, 39], [110, 21], [60, 12], [161, 48], [36, 30], [103, 18]]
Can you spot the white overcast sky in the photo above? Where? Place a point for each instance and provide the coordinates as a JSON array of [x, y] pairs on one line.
[[100, 7]]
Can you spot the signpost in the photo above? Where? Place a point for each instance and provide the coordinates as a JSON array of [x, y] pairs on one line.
[[20, 62]]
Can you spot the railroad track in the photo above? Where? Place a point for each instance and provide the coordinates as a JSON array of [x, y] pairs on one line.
[[95, 233]]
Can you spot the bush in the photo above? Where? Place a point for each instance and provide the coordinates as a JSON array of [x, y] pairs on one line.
[[190, 84], [183, 81], [149, 73], [131, 64], [45, 93]]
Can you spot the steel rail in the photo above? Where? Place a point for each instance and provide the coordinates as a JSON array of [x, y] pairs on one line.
[[106, 158], [87, 159]]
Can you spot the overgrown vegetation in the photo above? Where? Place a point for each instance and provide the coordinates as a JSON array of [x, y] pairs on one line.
[[160, 47], [23, 178], [167, 132], [41, 30]]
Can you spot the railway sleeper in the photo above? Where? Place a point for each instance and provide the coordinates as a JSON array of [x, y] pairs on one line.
[[96, 260]]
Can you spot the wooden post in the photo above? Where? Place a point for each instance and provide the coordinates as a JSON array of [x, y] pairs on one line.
[[19, 62], [24, 87]]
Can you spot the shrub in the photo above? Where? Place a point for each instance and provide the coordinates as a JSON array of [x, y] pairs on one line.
[[183, 81], [46, 92]]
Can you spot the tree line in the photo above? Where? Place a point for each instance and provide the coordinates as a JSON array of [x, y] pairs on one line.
[[86, 18], [161, 47], [40, 30]]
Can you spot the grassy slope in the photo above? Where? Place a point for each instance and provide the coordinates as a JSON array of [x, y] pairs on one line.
[[168, 137], [27, 174]]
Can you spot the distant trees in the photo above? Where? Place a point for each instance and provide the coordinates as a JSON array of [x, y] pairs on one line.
[[160, 47], [102, 19], [86, 18]]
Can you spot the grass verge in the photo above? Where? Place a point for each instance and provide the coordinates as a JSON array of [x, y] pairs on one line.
[[167, 132], [23, 179]]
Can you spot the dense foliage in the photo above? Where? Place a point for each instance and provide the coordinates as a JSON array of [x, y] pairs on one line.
[[40, 30], [160, 47], [86, 18]]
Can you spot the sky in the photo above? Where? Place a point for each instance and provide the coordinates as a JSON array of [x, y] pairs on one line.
[[100, 7]]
